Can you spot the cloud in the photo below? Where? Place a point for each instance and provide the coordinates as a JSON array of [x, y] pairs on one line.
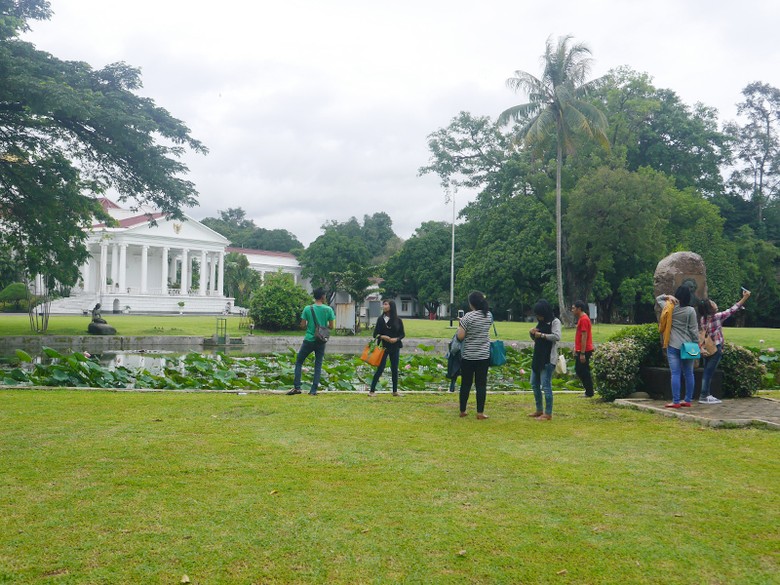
[[317, 111]]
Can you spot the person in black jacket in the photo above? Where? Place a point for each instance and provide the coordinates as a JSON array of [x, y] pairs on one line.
[[389, 331]]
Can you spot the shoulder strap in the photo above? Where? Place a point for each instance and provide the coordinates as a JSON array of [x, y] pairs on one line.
[[314, 315], [494, 329]]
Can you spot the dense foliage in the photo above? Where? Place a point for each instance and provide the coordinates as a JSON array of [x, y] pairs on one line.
[[243, 233], [421, 369], [67, 134], [278, 303]]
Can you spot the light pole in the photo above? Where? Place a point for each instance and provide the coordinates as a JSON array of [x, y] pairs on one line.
[[451, 197]]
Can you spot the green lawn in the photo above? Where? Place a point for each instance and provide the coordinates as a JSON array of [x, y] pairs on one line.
[[134, 325], [100, 487]]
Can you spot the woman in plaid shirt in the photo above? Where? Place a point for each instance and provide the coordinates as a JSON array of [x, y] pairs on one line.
[[712, 322]]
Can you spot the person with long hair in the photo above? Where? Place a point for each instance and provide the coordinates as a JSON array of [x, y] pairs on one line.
[[711, 321], [474, 332], [684, 330], [389, 331], [546, 336]]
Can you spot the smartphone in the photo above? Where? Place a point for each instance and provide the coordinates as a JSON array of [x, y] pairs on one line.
[[744, 290]]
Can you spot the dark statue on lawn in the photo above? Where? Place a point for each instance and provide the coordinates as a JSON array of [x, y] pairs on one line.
[[98, 325]]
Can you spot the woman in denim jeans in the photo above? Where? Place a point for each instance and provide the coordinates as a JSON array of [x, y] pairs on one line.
[[711, 321], [684, 329], [546, 336]]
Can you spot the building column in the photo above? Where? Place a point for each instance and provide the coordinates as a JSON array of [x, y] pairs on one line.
[[114, 266], [164, 271], [203, 268], [103, 268], [185, 269], [213, 274], [85, 274], [221, 286], [144, 267], [123, 268]]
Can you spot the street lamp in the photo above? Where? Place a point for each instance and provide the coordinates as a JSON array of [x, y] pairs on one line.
[[451, 198]]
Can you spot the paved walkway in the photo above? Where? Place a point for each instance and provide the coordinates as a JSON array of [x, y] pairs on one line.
[[738, 412]]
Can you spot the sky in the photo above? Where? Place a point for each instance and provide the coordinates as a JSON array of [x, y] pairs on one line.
[[317, 111]]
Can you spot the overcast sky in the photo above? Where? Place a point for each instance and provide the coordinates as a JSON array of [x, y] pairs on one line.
[[319, 110]]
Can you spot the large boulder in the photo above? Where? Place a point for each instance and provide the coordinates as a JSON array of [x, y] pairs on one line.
[[95, 328], [680, 268]]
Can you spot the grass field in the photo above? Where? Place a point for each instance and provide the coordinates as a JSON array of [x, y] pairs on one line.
[[101, 487], [135, 325]]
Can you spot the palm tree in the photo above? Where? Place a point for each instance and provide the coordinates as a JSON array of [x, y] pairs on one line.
[[556, 108]]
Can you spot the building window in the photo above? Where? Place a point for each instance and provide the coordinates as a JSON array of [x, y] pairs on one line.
[[405, 306]]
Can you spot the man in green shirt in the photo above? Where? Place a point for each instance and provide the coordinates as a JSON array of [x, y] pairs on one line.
[[324, 314]]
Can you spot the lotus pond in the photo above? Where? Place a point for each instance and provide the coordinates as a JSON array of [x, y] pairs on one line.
[[421, 369]]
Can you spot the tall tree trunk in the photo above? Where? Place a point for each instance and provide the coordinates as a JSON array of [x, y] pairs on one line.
[[565, 317]]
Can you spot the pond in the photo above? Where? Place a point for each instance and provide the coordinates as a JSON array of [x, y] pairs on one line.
[[420, 369]]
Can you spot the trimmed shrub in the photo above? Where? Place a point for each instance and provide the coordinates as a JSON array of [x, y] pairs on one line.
[[742, 371], [277, 304], [649, 341], [616, 367]]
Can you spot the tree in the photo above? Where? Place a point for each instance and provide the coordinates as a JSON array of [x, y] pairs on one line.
[[331, 253], [557, 109], [377, 232], [510, 256], [758, 146], [278, 303], [68, 133], [240, 280], [243, 233], [467, 153], [354, 280], [15, 292], [422, 267], [614, 220]]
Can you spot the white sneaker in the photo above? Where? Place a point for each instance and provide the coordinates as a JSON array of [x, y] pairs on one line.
[[709, 400]]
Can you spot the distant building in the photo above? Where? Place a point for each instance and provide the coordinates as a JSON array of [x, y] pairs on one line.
[[147, 268], [265, 261]]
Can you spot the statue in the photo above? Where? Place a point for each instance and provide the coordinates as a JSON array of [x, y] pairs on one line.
[[96, 318], [98, 325]]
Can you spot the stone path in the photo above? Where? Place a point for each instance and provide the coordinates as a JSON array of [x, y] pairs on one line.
[[757, 410]]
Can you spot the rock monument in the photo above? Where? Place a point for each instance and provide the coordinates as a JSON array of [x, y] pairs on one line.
[[677, 269]]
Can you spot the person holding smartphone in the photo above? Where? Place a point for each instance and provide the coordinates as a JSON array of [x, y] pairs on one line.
[[711, 321]]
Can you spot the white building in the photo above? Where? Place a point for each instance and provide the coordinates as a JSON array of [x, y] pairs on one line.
[[264, 262], [145, 268], [140, 267]]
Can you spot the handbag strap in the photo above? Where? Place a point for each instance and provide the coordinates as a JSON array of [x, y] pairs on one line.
[[314, 315], [494, 329]]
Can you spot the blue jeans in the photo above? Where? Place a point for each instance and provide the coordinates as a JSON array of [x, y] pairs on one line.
[[319, 352], [678, 366], [543, 381], [710, 365], [394, 352]]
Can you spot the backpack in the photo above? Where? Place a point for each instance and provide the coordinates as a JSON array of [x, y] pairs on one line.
[[321, 333]]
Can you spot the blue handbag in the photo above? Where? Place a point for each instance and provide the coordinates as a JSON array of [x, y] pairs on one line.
[[497, 351], [690, 351]]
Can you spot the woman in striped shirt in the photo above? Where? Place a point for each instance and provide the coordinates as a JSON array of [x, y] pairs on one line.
[[473, 331], [712, 323]]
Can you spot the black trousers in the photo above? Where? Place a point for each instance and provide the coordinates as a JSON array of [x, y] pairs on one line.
[[583, 372], [473, 372], [394, 353]]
